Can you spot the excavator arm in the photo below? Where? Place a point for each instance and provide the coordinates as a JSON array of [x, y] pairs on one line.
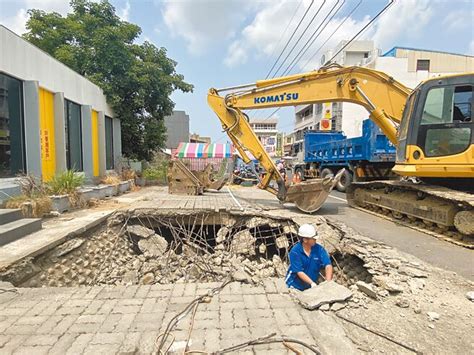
[[382, 96]]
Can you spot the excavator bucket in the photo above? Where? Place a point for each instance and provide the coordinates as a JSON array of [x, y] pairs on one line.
[[310, 195], [205, 177], [182, 181]]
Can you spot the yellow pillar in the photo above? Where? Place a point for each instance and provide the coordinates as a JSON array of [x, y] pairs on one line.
[[95, 143], [48, 148]]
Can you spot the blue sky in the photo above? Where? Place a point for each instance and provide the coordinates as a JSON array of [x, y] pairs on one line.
[[221, 43]]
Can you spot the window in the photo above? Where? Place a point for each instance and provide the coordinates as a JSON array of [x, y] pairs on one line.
[[423, 64], [366, 54], [319, 109], [12, 157], [446, 122], [109, 143], [73, 126]]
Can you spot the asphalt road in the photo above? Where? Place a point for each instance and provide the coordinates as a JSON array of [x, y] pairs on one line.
[[426, 247]]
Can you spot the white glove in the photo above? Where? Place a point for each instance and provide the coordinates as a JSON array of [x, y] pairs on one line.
[[313, 284]]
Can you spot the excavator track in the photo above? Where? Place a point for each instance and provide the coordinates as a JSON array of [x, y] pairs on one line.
[[439, 211]]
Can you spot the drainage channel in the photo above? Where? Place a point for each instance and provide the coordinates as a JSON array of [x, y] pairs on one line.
[[156, 247]]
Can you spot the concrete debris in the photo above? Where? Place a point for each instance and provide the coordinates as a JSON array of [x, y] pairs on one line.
[[402, 303], [222, 234], [282, 242], [337, 306], [415, 285], [255, 222], [367, 289], [242, 276], [280, 266], [68, 246], [140, 231], [130, 277], [154, 246], [432, 316], [326, 292], [147, 279], [243, 242], [411, 271], [262, 248], [325, 307], [6, 285], [470, 295]]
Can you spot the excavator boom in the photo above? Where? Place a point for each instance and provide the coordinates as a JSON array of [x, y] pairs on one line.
[[332, 83]]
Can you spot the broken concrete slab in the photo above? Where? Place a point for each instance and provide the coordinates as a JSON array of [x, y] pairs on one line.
[[222, 234], [154, 246], [243, 242], [366, 288], [140, 231], [411, 271], [68, 246], [326, 292]]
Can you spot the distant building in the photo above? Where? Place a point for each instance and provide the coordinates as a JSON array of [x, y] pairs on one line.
[[177, 129], [288, 141], [266, 131], [196, 138]]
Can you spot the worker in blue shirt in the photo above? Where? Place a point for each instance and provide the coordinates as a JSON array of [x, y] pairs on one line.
[[307, 258]]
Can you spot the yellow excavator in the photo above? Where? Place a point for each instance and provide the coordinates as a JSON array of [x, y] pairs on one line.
[[431, 126]]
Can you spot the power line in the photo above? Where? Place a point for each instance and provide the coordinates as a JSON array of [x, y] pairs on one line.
[[289, 40], [332, 34], [301, 36], [313, 37], [283, 35], [362, 30]]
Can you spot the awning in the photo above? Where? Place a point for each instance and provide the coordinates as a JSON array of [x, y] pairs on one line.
[[204, 150]]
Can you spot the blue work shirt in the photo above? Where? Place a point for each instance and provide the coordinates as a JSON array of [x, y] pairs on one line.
[[310, 265]]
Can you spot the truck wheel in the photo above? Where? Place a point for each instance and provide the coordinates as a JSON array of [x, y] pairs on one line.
[[326, 172], [345, 181]]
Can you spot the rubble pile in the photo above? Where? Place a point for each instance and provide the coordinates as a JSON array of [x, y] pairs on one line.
[[172, 249]]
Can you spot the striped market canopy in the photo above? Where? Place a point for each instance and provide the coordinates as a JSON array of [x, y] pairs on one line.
[[204, 150]]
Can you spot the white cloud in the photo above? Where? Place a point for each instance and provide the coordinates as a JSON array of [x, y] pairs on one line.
[[458, 20], [405, 19], [17, 23], [124, 12], [203, 24]]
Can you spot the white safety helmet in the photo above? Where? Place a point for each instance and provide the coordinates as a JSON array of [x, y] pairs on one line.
[[308, 231]]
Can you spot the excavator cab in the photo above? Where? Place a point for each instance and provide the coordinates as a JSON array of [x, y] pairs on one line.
[[436, 133]]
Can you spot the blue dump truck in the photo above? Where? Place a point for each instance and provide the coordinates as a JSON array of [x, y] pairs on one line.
[[365, 158]]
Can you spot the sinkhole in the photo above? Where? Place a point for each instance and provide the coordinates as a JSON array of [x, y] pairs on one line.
[[155, 247]]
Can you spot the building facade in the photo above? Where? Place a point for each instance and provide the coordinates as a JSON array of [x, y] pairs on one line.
[[177, 129], [266, 131], [196, 138], [51, 118]]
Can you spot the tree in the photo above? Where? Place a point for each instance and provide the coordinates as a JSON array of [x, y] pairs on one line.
[[137, 79]]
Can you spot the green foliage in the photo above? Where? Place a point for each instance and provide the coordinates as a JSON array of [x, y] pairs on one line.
[[156, 172], [137, 79], [65, 183]]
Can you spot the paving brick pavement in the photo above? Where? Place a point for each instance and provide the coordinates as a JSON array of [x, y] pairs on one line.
[[119, 320]]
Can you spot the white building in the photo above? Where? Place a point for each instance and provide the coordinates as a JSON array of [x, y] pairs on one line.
[[308, 117], [51, 118], [266, 131], [410, 66]]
